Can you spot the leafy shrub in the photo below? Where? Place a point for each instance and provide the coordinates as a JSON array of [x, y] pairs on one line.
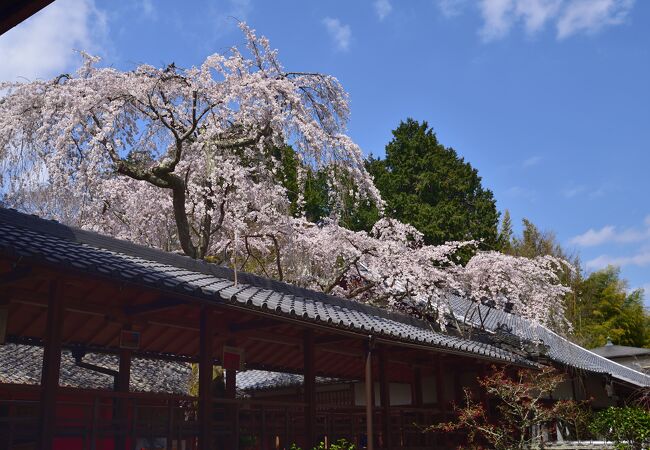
[[341, 444], [628, 428]]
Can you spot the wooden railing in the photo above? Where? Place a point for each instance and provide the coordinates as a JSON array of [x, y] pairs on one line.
[[102, 419]]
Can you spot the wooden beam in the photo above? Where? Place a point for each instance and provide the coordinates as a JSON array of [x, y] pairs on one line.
[[254, 325], [205, 378], [274, 338], [310, 388], [16, 274], [328, 340], [161, 304], [51, 364], [13, 12]]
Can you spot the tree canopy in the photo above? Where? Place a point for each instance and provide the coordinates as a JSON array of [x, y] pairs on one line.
[[607, 309], [430, 187]]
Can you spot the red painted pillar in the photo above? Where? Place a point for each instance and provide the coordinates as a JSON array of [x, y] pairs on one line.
[[310, 389], [51, 364], [206, 358]]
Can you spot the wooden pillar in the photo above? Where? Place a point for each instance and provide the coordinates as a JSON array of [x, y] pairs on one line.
[[4, 318], [232, 412], [51, 364], [370, 398], [206, 358], [310, 388], [440, 390], [384, 395], [123, 386], [417, 387]]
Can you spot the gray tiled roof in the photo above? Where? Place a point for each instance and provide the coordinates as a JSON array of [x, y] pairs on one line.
[[21, 364], [560, 349], [620, 351], [49, 242], [256, 380]]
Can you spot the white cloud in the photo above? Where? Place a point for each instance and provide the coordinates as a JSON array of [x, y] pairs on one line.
[[239, 9], [573, 191], [641, 258], [532, 161], [535, 13], [590, 16], [451, 8], [569, 17], [383, 8], [497, 17], [594, 237], [149, 9], [43, 46], [340, 33], [521, 192], [609, 234]]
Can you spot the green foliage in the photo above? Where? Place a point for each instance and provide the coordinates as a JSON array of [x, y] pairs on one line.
[[341, 444], [430, 187], [606, 309], [628, 428]]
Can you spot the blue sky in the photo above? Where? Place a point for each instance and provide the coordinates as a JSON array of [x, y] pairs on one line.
[[548, 99]]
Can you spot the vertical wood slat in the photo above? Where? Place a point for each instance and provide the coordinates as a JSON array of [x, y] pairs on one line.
[[206, 358], [51, 364], [310, 388]]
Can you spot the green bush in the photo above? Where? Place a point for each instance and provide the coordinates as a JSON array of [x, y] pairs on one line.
[[628, 428], [341, 444]]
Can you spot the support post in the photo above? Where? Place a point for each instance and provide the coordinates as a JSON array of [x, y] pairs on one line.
[[51, 364], [4, 318], [123, 385], [417, 387], [232, 411], [370, 398], [206, 358], [384, 395], [440, 391], [310, 389]]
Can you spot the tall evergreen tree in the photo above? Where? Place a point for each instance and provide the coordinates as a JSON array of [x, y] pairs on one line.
[[506, 234], [430, 187]]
